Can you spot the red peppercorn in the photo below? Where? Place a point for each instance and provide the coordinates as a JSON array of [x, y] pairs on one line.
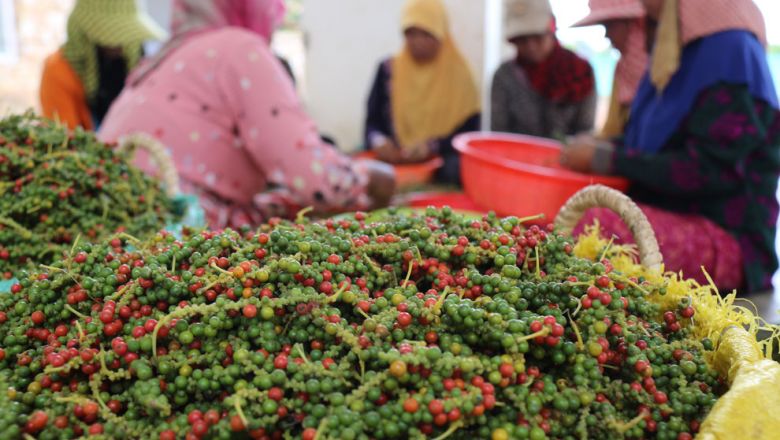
[[660, 397], [436, 407], [404, 319], [250, 311]]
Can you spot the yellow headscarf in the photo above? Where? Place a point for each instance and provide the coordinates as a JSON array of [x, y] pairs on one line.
[[617, 117], [430, 100], [668, 46]]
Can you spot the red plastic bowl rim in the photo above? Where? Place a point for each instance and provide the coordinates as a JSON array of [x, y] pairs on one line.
[[462, 144], [429, 165]]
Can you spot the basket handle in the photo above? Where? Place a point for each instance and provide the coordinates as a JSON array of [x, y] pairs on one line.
[[167, 170], [600, 196]]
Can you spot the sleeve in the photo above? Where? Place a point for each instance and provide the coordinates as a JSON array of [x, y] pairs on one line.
[[377, 120], [58, 100], [444, 145], [280, 138], [499, 104], [723, 132], [586, 114]]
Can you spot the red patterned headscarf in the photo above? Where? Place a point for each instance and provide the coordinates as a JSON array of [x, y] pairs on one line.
[[633, 63], [563, 77]]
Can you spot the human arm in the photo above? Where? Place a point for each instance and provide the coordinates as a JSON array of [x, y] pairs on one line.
[[586, 114], [378, 133], [725, 131], [443, 145], [499, 104], [281, 139]]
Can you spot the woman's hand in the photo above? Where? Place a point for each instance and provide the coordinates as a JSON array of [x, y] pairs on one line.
[[579, 152], [416, 153], [381, 182], [388, 152]]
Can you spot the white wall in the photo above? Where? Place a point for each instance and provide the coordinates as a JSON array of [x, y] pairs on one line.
[[160, 11], [346, 39]]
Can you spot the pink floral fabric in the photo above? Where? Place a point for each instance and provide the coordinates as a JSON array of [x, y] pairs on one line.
[[687, 242], [237, 131]]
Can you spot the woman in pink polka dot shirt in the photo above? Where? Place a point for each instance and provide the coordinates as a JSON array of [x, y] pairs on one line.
[[217, 97]]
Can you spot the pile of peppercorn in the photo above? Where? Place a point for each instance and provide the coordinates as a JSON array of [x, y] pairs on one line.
[[429, 326], [57, 186]]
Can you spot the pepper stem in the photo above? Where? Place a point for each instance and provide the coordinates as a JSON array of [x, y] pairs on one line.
[[543, 332], [301, 215], [75, 312], [408, 275], [454, 427], [321, 428], [530, 218]]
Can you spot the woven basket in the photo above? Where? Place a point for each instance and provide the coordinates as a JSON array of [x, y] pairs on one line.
[[166, 169], [749, 408], [600, 196]]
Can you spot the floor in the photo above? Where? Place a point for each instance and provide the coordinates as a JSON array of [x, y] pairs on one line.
[[768, 303]]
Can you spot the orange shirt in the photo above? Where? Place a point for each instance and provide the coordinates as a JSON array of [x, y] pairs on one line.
[[62, 94]]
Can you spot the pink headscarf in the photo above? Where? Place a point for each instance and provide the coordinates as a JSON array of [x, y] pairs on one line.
[[193, 17], [699, 18], [258, 16], [633, 63], [634, 57]]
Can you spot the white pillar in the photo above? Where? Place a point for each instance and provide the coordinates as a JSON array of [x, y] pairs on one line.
[[494, 53]]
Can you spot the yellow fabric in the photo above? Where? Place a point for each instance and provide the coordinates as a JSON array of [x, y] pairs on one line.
[[749, 409], [617, 117], [429, 15], [430, 100], [668, 46]]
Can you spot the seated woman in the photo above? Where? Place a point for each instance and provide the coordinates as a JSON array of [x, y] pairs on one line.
[[702, 145], [624, 21], [424, 96], [546, 90], [83, 77], [224, 105]]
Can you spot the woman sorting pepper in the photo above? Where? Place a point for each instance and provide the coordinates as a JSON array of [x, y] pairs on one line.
[[81, 79], [546, 90], [424, 96], [218, 98], [701, 145]]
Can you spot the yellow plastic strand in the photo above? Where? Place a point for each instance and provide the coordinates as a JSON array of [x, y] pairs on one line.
[[715, 312]]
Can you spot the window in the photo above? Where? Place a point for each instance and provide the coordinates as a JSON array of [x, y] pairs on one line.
[[8, 43]]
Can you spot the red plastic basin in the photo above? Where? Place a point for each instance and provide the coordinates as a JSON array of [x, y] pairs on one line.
[[520, 175]]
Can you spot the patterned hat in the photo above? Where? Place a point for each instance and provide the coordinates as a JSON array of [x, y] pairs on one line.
[[107, 23], [114, 23], [605, 10]]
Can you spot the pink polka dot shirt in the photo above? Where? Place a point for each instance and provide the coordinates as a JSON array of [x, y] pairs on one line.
[[237, 132]]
